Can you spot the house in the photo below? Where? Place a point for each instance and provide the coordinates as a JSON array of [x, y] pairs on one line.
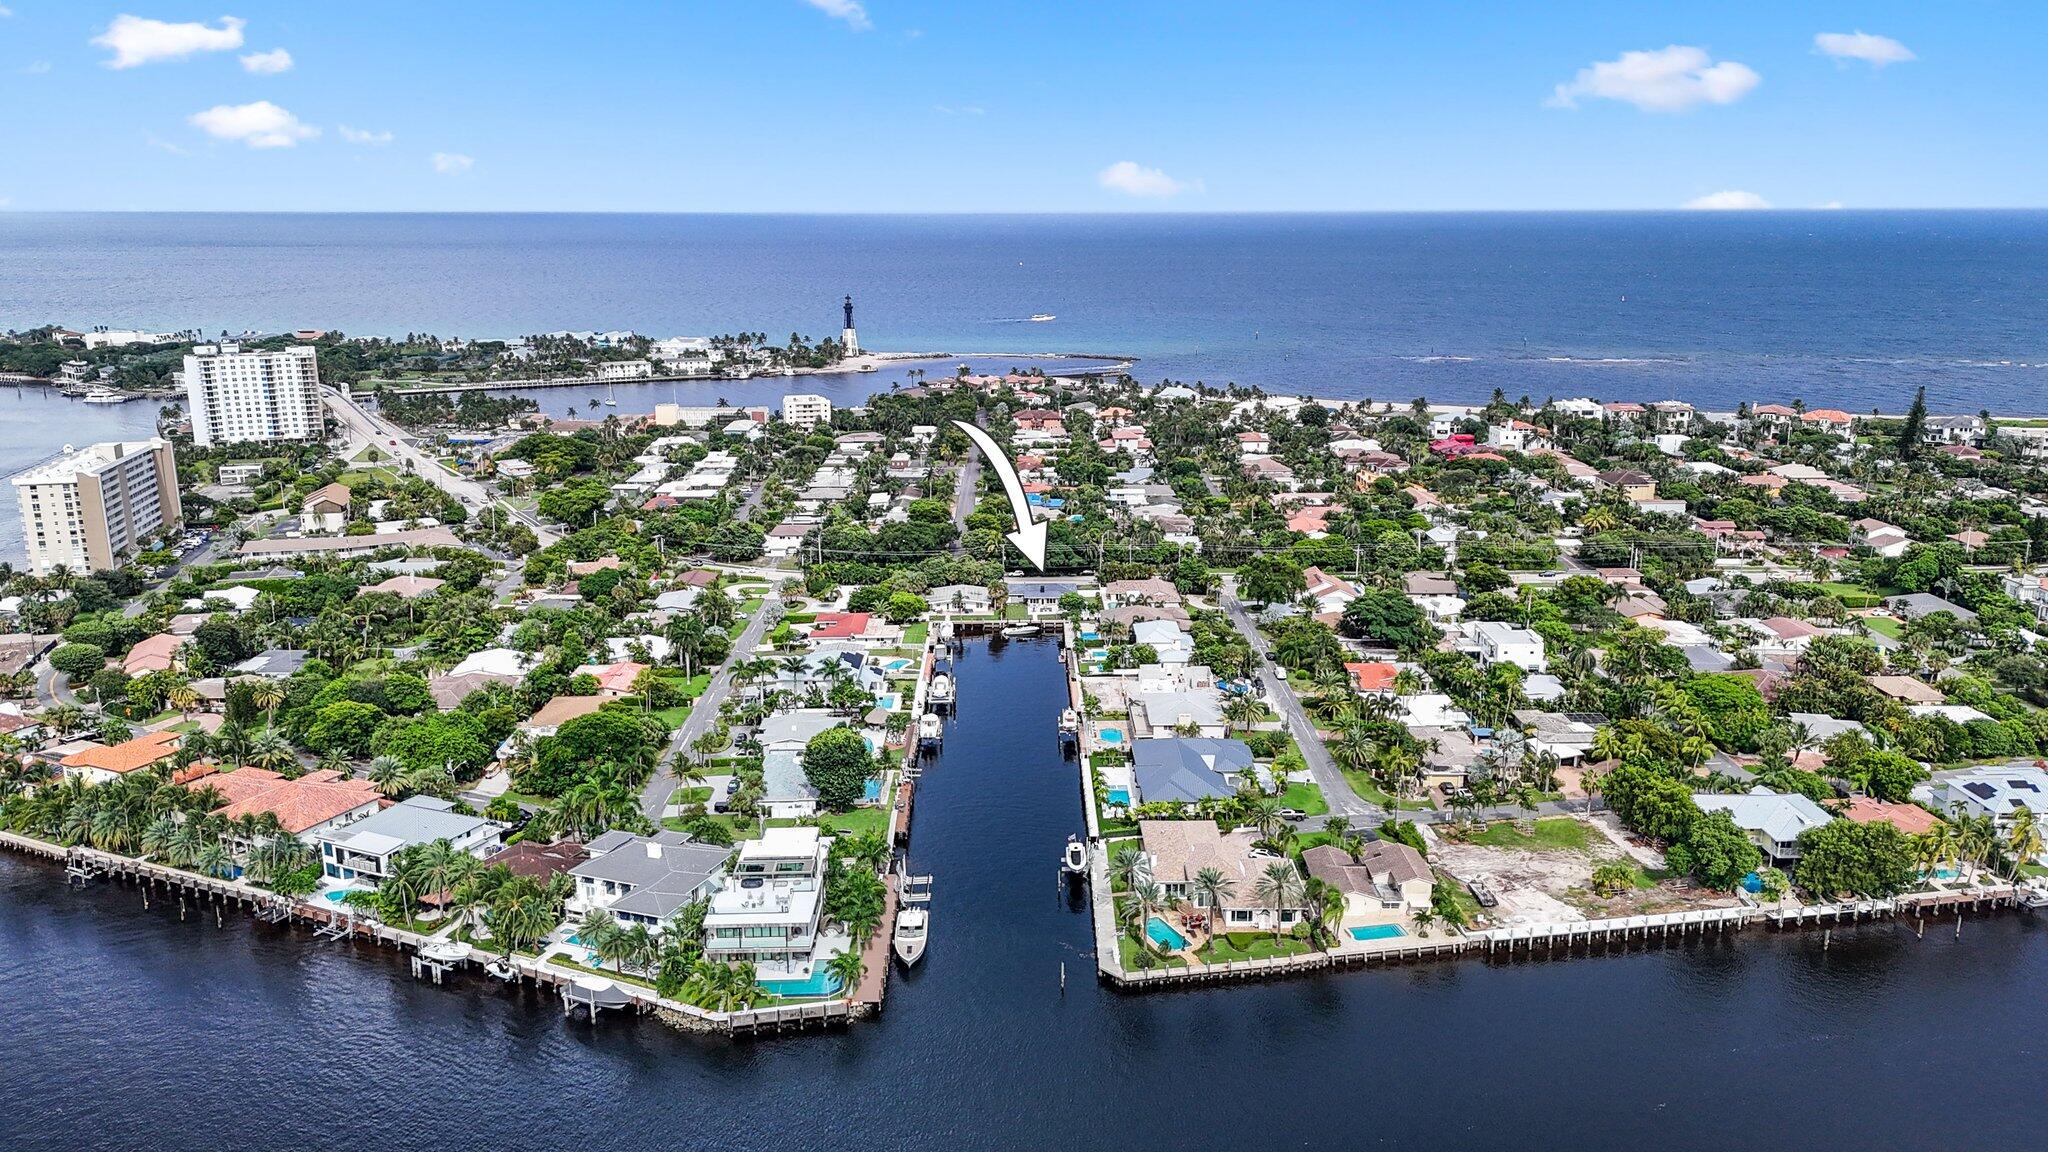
[[1887, 540], [549, 718], [1828, 420], [1907, 689], [1372, 678], [1997, 791], [1566, 737], [786, 792], [1952, 430], [1158, 715], [158, 653], [1330, 593], [1631, 483], [1784, 636], [307, 807], [840, 626], [1168, 641], [1908, 818], [1673, 417], [1434, 593], [615, 679], [365, 849], [1179, 850], [449, 691], [1914, 605], [1187, 770], [325, 510], [403, 587], [1118, 593], [1041, 598], [963, 599], [766, 910], [537, 861], [502, 662], [1500, 643], [1388, 876], [647, 880], [104, 763], [1772, 820]]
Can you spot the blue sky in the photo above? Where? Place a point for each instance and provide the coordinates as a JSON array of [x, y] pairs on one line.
[[908, 105]]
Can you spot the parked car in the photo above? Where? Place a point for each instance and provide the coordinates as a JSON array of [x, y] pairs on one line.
[[1291, 815]]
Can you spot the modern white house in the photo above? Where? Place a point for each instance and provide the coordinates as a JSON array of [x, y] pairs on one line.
[[647, 880], [1500, 643], [806, 410], [253, 396], [1997, 791], [364, 850], [766, 911]]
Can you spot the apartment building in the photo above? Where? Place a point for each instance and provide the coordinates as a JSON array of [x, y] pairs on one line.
[[93, 506], [239, 396], [806, 411]]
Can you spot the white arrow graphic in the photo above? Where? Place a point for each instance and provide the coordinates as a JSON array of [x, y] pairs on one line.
[[1030, 534]]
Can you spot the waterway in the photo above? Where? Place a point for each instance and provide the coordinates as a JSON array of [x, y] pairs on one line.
[[123, 1029]]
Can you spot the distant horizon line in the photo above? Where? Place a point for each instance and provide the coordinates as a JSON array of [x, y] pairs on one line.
[[1142, 212]]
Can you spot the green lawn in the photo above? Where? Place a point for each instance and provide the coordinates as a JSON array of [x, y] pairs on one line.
[[698, 795], [1559, 833], [1127, 952], [916, 633], [1369, 791], [1304, 794], [1235, 946], [1885, 625]]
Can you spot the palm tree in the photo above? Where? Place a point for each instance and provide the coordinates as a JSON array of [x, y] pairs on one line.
[[267, 695], [1280, 886], [2023, 840], [388, 773], [848, 968], [1211, 888], [1129, 867]]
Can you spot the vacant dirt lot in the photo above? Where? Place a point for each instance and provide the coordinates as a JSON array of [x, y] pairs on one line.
[[1547, 878]]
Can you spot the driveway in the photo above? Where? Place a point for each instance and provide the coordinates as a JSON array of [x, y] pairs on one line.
[[1337, 791], [662, 784]]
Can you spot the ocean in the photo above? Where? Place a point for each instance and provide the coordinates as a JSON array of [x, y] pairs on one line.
[[1845, 309]]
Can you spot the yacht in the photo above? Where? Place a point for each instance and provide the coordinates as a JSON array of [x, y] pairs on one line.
[[930, 729], [912, 925], [941, 694], [1075, 860], [107, 396], [1070, 720], [1021, 630]]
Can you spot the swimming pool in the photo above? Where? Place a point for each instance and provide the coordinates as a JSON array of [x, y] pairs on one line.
[[1111, 735], [821, 982], [871, 791], [1164, 935], [896, 665], [1376, 932], [1121, 797], [886, 703], [1091, 637], [340, 895]]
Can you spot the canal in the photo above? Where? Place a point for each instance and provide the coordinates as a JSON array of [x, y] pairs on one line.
[[126, 1029]]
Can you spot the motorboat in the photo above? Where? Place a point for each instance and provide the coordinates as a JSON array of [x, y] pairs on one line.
[[867, 368], [941, 694], [930, 729], [1070, 720], [501, 969], [1021, 630], [1075, 860], [913, 925]]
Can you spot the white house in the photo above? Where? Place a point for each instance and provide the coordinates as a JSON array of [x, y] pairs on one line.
[[1500, 643], [365, 849], [647, 880], [766, 911], [1772, 820]]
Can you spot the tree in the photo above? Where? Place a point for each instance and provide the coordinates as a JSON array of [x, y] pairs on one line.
[[1280, 886], [1270, 579], [608, 736], [838, 764], [1389, 617], [345, 726], [78, 661], [1211, 888], [1843, 857], [1715, 852], [1910, 429]]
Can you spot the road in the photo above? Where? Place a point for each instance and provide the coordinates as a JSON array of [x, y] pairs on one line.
[[1337, 791], [966, 488], [662, 784], [394, 441]]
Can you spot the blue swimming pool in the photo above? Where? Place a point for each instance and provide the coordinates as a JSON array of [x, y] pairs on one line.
[[886, 703], [1376, 932], [871, 791], [1121, 797], [1091, 637], [896, 665], [1111, 735], [1164, 935], [820, 983], [340, 895]]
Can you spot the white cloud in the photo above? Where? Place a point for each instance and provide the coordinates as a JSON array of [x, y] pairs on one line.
[[36, 68], [1876, 51], [267, 63], [165, 146], [1131, 179], [4, 201], [1661, 80], [5, 12], [851, 11], [134, 40], [1831, 206], [259, 125], [959, 109], [364, 136], [1730, 201], [451, 163]]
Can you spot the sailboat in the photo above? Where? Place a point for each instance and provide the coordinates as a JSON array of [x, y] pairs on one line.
[[611, 399]]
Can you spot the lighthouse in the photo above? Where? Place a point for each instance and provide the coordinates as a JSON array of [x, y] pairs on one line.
[[847, 336]]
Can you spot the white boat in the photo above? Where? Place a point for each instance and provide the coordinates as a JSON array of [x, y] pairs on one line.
[[501, 969], [1070, 720], [912, 925], [1042, 317], [1021, 630], [611, 400], [104, 397], [942, 689], [930, 729], [867, 368], [1075, 860]]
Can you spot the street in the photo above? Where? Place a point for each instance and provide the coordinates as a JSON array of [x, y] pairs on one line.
[[654, 796], [1337, 791], [392, 441]]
